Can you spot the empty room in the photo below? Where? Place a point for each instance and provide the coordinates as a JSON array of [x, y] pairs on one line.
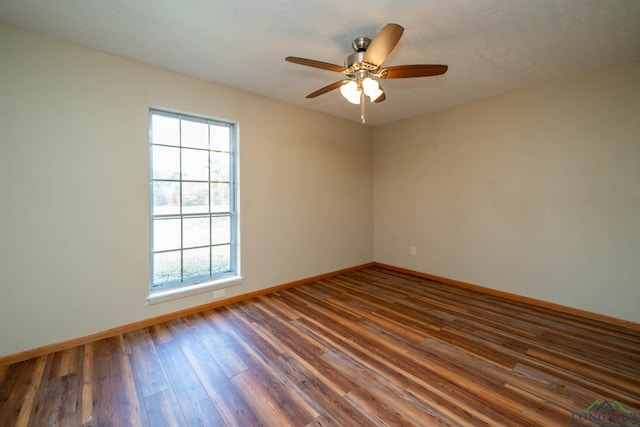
[[277, 213]]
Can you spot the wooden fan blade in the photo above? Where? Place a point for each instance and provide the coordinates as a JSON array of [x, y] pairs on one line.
[[382, 45], [327, 88], [423, 70], [315, 64]]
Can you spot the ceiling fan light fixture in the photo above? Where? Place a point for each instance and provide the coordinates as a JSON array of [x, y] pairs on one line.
[[375, 95], [371, 88], [350, 92]]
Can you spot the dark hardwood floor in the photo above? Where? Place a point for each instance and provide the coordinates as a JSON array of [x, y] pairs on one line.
[[372, 347]]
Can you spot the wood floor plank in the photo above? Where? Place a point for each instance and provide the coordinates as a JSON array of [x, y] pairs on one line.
[[366, 348], [270, 405], [378, 412], [233, 409], [109, 384], [24, 414], [197, 408], [102, 385], [58, 399], [411, 408], [130, 409], [319, 392], [147, 366], [87, 401], [262, 375], [163, 409]]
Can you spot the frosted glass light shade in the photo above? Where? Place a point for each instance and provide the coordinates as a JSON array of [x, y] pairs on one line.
[[371, 88], [350, 92]]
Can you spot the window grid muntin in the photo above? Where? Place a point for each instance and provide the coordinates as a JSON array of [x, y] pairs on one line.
[[210, 214]]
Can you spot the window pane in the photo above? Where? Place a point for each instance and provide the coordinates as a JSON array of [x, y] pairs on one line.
[[220, 198], [221, 258], [165, 130], [219, 137], [166, 234], [219, 166], [166, 267], [195, 134], [196, 232], [195, 165], [220, 230], [196, 263], [166, 198], [166, 162], [192, 184], [195, 197]]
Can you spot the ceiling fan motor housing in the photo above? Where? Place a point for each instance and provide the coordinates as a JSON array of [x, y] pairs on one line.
[[360, 46]]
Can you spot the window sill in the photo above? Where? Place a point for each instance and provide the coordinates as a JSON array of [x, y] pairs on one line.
[[157, 297]]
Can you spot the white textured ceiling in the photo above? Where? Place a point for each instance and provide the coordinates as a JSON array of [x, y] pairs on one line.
[[491, 46]]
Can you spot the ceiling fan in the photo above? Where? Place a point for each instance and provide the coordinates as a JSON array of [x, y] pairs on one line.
[[361, 67]]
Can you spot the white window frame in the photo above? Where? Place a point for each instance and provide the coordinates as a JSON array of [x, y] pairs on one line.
[[160, 292]]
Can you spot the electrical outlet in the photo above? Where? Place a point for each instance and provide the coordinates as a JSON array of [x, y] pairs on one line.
[[219, 293], [412, 250]]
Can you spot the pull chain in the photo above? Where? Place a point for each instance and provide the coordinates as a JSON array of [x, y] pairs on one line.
[[362, 101]]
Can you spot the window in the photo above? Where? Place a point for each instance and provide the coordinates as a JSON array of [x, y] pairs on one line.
[[193, 200]]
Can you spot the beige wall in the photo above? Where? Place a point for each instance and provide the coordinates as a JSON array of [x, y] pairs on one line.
[[74, 188], [535, 192]]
